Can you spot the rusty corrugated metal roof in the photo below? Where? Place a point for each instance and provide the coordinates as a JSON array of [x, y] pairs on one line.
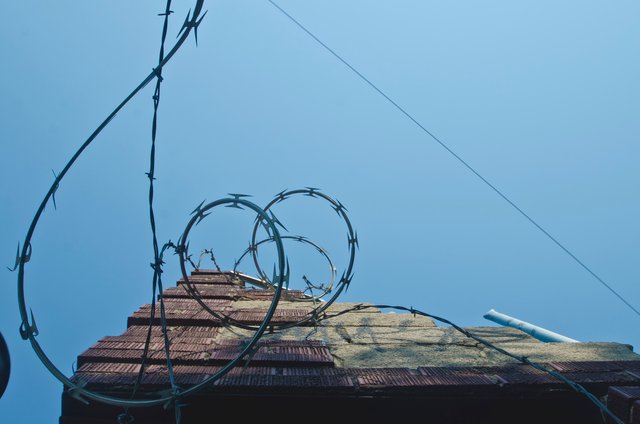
[[337, 356]]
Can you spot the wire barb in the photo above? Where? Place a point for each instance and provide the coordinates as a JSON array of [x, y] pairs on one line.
[[29, 330], [77, 388], [198, 208], [192, 23], [21, 260]]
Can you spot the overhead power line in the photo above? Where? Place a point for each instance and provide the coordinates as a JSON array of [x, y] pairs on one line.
[[459, 158]]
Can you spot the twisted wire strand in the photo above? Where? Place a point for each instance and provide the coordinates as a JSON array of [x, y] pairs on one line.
[[28, 327], [157, 260], [322, 288], [319, 307], [29, 330]]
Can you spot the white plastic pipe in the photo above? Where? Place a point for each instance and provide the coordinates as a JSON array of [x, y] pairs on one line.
[[539, 333]]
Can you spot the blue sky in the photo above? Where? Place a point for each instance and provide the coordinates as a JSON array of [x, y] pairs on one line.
[[541, 98]]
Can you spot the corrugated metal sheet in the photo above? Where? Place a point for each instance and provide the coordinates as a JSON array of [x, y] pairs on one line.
[[203, 271], [267, 295], [620, 377], [134, 356], [127, 345], [280, 316], [253, 370], [458, 376], [289, 381], [103, 379], [175, 346], [183, 312], [197, 331], [600, 371], [109, 355], [217, 279], [204, 291], [132, 338], [192, 374], [173, 320], [109, 368], [251, 377], [188, 305], [169, 314], [189, 347], [599, 366], [505, 374], [312, 371], [276, 343], [274, 354], [141, 330], [389, 377], [159, 357], [181, 379], [207, 339], [182, 331], [197, 353], [620, 400], [211, 369], [522, 374]]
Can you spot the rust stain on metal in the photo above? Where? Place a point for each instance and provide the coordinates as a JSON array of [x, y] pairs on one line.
[[204, 291], [462, 376], [277, 354], [297, 381], [217, 279], [600, 366], [173, 320], [389, 377], [280, 316], [115, 368], [523, 374]]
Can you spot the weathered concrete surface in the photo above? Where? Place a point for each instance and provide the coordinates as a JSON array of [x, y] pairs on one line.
[[371, 338]]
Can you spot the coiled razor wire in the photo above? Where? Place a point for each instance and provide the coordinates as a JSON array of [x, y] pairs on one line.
[[265, 219], [310, 295], [352, 241], [320, 305]]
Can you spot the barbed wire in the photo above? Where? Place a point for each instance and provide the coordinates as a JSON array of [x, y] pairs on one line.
[[263, 281], [319, 314], [157, 263], [324, 288], [201, 212], [28, 327], [276, 285], [352, 239]]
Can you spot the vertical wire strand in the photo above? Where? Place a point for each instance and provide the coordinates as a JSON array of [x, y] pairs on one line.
[[157, 268]]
